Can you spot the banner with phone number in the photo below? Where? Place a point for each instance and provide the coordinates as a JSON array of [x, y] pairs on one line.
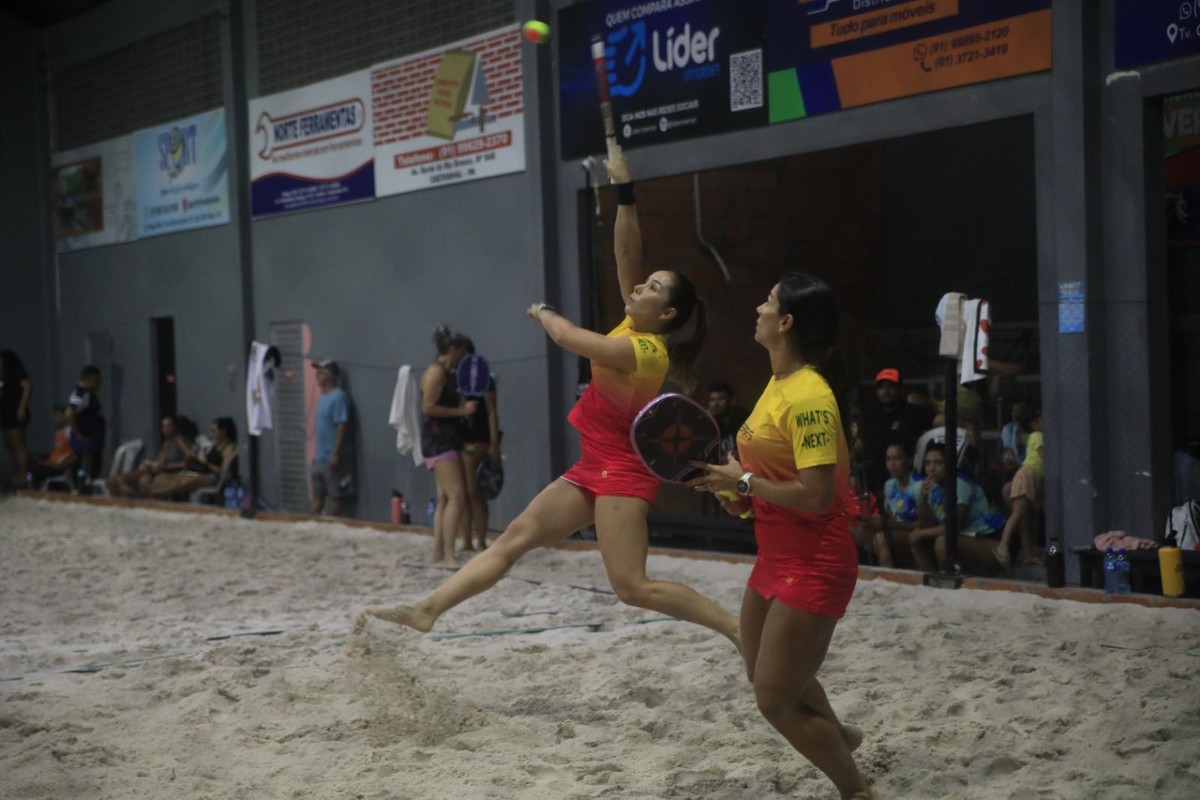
[[826, 55]]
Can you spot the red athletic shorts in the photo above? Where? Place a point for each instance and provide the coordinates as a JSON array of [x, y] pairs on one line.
[[608, 469], [814, 570]]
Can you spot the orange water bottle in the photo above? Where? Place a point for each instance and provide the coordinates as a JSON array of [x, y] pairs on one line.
[[1170, 566]]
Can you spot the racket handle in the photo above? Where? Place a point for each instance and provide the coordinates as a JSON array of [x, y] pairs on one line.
[[614, 149]]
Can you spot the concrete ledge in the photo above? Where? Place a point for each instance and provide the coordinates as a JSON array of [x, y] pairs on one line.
[[908, 577]]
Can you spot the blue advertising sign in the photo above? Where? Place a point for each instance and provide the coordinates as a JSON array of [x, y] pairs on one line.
[[826, 55], [1154, 30], [676, 69], [180, 175]]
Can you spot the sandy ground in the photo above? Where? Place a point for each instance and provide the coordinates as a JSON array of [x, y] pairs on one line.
[[146, 654]]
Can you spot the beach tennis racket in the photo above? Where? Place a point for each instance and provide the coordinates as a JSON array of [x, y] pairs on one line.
[[489, 477], [671, 431], [474, 375], [600, 65]]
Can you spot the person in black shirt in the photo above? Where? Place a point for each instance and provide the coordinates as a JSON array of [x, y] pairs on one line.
[[15, 391], [892, 420]]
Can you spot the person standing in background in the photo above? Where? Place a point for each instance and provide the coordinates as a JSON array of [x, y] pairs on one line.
[[86, 418], [16, 389], [333, 465]]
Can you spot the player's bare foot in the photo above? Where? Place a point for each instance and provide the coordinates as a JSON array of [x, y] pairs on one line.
[[852, 736], [411, 616]]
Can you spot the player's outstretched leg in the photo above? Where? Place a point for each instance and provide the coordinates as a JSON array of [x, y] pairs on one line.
[[557, 512]]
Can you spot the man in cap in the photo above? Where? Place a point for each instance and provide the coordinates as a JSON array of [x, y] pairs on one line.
[[333, 463], [893, 420]]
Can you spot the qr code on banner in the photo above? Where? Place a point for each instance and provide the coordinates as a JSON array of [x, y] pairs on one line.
[[745, 80]]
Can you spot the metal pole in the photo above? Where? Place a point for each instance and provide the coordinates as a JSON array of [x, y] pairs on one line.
[[950, 565]]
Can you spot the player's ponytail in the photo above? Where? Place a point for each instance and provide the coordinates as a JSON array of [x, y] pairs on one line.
[[684, 350]]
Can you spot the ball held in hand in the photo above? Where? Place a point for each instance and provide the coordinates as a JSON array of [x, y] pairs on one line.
[[536, 31]]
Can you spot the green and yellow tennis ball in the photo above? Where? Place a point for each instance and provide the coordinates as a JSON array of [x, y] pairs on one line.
[[536, 31]]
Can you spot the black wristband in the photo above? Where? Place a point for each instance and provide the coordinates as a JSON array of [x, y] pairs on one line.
[[625, 195]]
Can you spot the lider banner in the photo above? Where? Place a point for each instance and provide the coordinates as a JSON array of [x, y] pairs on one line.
[[676, 69]]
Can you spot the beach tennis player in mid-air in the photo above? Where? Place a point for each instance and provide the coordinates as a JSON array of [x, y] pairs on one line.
[[662, 332]]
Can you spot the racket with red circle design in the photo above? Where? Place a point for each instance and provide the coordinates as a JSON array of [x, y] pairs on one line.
[[671, 431]]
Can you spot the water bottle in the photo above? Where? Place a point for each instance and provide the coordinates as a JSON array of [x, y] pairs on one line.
[[1056, 566], [29, 479], [81, 482], [230, 497], [431, 509], [241, 499], [1122, 572], [1110, 572]]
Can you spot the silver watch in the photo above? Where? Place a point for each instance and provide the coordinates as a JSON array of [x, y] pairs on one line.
[[743, 484]]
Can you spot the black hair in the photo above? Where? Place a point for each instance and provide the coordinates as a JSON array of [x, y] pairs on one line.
[[904, 445], [9, 360], [227, 427], [814, 310], [935, 447], [720, 386], [90, 371], [444, 339], [187, 427], [468, 345], [681, 296]]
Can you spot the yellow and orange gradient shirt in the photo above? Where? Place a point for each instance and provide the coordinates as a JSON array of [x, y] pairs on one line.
[[614, 397], [795, 425]]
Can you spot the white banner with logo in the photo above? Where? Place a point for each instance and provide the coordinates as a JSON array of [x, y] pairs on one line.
[[450, 115], [181, 176], [312, 147]]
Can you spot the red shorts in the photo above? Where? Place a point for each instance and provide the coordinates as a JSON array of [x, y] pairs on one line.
[[816, 571], [609, 470]]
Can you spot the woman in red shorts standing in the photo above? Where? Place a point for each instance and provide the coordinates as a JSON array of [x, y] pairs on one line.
[[609, 486], [794, 473]]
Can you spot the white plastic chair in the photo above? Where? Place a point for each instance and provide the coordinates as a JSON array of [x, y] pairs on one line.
[[124, 459]]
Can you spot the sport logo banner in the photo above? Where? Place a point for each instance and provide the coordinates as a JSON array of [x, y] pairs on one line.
[[676, 69], [450, 115], [825, 55], [312, 147], [180, 174]]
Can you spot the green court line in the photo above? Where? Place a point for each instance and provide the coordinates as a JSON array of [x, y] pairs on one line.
[[508, 631]]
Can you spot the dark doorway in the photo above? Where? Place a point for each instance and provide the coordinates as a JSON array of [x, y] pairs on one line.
[[164, 361]]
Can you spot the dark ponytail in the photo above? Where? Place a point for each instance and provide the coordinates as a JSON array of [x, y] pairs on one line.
[[814, 310], [685, 352]]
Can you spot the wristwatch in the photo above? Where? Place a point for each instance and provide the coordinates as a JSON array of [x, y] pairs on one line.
[[743, 484]]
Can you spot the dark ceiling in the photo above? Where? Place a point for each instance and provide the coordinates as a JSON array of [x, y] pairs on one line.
[[42, 13]]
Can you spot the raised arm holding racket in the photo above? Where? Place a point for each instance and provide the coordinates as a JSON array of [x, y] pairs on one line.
[[662, 331]]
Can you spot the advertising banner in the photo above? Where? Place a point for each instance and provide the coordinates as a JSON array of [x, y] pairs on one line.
[[1154, 30], [312, 147], [825, 55], [91, 195], [181, 176], [450, 115], [675, 69]]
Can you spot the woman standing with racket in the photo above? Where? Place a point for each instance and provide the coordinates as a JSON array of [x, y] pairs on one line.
[[441, 439], [609, 486], [794, 472]]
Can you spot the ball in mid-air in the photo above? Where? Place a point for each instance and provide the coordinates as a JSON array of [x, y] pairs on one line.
[[536, 31]]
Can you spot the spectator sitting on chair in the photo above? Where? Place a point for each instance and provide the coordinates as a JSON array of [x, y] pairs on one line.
[[86, 418], [893, 420], [62, 458], [979, 524], [172, 457], [901, 498], [1013, 438], [1024, 495], [218, 466]]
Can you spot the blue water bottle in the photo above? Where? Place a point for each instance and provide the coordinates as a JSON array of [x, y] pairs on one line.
[[431, 509], [230, 496], [1110, 572], [1122, 572]]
